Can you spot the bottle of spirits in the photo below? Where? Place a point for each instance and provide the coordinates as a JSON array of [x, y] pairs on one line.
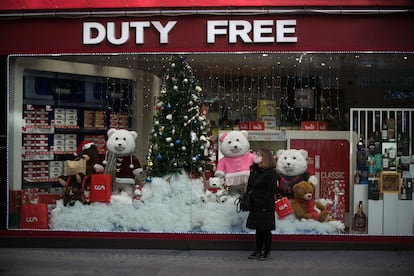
[[361, 162], [392, 158], [360, 219], [385, 161], [384, 131], [399, 145]]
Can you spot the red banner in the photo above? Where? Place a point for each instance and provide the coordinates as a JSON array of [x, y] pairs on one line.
[[208, 34], [130, 4]]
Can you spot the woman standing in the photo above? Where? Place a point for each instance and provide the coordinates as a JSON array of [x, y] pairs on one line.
[[262, 184]]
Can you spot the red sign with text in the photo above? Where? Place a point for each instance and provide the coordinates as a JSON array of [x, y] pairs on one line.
[[329, 161]]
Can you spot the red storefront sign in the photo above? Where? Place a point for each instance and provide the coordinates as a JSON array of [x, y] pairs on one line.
[[95, 4], [202, 33]]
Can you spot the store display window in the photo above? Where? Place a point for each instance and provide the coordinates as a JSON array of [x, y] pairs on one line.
[[151, 126]]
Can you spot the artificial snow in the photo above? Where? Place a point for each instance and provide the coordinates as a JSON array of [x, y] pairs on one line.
[[172, 204]]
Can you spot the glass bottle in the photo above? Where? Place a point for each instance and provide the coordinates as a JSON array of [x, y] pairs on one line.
[[384, 131], [392, 158], [360, 219], [385, 160]]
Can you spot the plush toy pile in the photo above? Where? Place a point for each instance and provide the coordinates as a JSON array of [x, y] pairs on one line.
[[175, 203]]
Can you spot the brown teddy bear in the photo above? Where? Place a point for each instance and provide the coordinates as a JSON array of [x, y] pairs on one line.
[[304, 203]]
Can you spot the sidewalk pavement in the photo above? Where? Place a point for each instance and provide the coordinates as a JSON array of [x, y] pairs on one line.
[[64, 261]]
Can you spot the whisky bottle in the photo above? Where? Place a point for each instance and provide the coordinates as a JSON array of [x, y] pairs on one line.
[[384, 132], [360, 219], [385, 160], [392, 159]]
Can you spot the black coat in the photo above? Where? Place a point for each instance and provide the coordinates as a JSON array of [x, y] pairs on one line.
[[263, 183]]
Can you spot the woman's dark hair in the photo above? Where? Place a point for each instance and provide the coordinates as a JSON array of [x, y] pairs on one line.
[[268, 161]]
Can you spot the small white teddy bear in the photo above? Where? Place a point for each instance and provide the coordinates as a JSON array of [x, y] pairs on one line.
[[216, 191]]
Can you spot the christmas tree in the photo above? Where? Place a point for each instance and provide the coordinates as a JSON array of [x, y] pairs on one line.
[[179, 139]]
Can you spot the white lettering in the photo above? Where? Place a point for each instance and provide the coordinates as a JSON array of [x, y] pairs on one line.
[[32, 219], [99, 187], [214, 28], [239, 28], [89, 28], [111, 33], [95, 33], [283, 207], [260, 31], [333, 175], [260, 28], [283, 28], [139, 30], [164, 30]]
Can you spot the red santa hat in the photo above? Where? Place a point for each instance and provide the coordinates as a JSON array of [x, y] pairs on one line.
[[84, 145]]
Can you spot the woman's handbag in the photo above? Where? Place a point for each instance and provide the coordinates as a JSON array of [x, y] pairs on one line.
[[243, 202]]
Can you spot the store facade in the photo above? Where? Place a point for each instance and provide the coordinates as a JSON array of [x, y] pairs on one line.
[[276, 72]]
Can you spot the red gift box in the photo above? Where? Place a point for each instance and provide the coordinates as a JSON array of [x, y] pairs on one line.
[[101, 188], [34, 216], [283, 207]]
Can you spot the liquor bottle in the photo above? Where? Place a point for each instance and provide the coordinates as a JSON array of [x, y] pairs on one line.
[[385, 160], [399, 145], [384, 131], [372, 169], [392, 158], [361, 155], [371, 145], [361, 162], [360, 219]]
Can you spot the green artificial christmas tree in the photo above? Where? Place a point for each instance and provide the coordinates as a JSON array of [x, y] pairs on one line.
[[179, 139]]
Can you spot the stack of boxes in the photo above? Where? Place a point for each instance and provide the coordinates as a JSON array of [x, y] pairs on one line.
[[94, 119], [67, 117], [35, 143], [35, 171], [119, 120], [56, 169], [65, 143], [36, 116]]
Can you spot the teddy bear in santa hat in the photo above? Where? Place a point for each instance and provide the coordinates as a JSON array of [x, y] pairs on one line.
[[90, 153]]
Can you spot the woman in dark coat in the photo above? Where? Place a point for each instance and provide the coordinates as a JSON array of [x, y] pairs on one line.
[[262, 182]]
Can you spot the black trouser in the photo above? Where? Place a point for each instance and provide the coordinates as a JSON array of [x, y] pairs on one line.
[[263, 241]]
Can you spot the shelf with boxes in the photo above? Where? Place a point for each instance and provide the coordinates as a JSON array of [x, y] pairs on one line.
[[52, 135]]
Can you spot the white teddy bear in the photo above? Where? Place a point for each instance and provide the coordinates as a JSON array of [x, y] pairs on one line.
[[291, 166], [216, 191], [123, 164], [234, 167]]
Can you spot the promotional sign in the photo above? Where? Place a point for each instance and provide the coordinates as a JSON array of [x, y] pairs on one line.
[[329, 161], [204, 33]]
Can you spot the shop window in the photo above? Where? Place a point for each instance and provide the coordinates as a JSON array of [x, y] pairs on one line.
[[276, 97]]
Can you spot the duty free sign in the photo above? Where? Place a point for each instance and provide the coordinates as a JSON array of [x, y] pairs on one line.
[[202, 33], [257, 31]]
